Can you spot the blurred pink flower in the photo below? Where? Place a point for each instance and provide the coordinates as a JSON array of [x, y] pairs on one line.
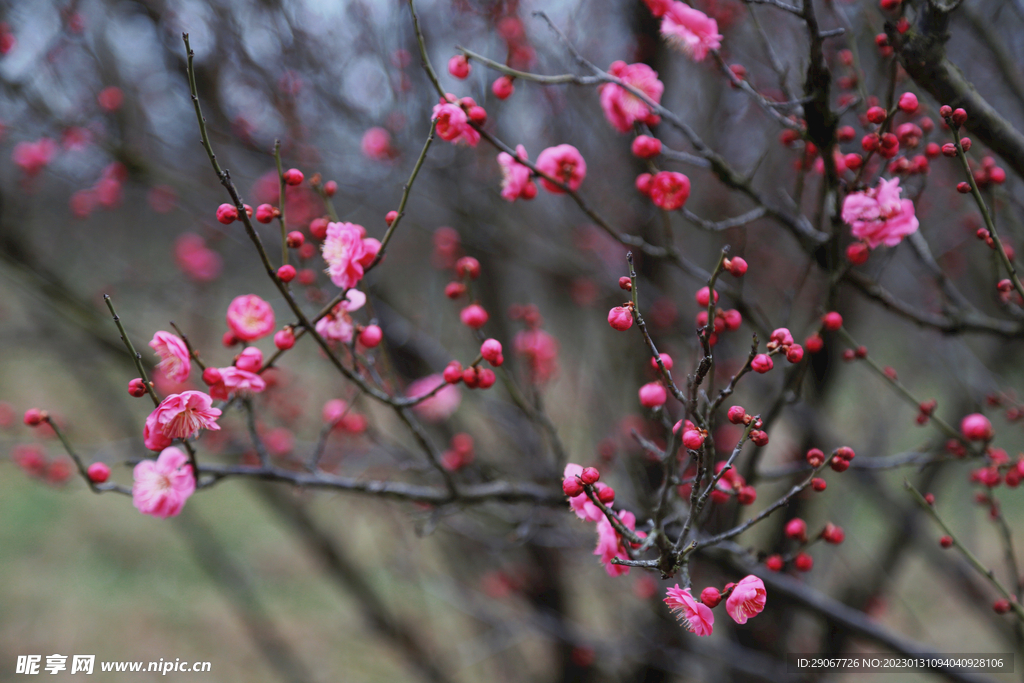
[[878, 215], [33, 157], [347, 253], [696, 617], [690, 31], [180, 416], [563, 163], [163, 485], [110, 99], [250, 317], [162, 198], [175, 361], [376, 144], [441, 405], [746, 600], [623, 108], [540, 350], [195, 259]]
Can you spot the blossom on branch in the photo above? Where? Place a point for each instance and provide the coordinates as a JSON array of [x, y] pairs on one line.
[[162, 486], [175, 362], [621, 107], [565, 164], [696, 617], [184, 415], [690, 31], [250, 317], [746, 600], [348, 252], [878, 215], [515, 178]]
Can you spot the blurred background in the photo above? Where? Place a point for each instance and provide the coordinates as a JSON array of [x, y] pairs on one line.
[[106, 190]]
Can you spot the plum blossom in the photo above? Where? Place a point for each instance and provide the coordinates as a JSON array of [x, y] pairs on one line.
[[581, 504], [376, 144], [337, 326], [197, 261], [563, 163], [746, 600], [237, 382], [621, 107], [348, 252], [175, 362], [515, 178], [152, 437], [180, 416], [878, 215], [441, 405], [540, 350], [690, 31], [670, 190], [609, 544], [696, 617], [453, 123], [162, 486], [250, 317]]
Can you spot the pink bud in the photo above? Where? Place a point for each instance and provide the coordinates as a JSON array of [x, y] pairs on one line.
[[486, 378], [491, 351], [620, 318], [390, 217], [803, 562], [211, 376], [295, 239], [795, 353], [762, 363], [34, 417], [908, 103], [693, 440], [330, 188], [284, 339], [832, 321], [467, 266], [371, 336], [293, 176], [286, 273], [646, 147], [572, 487], [459, 67], [474, 316], [453, 372], [227, 214], [666, 360], [250, 360], [98, 472], [503, 87], [976, 427], [590, 475], [264, 213], [736, 414], [710, 597], [704, 297], [737, 267], [796, 529], [137, 388], [653, 395]]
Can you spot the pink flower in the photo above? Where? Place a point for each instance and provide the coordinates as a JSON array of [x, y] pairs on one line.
[[540, 350], [609, 544], [195, 260], [33, 157], [441, 405], [152, 437], [238, 382], [696, 617], [623, 108], [453, 124], [515, 178], [180, 416], [746, 600], [337, 326], [670, 190], [690, 31], [563, 163], [348, 252], [250, 317], [581, 504], [878, 215], [163, 485], [175, 362], [376, 144]]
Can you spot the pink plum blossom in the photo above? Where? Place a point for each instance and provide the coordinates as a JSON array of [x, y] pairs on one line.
[[746, 600], [348, 252], [453, 124], [337, 326], [670, 190], [515, 178], [563, 163], [162, 486], [609, 544], [180, 416], [696, 617], [250, 317], [621, 107], [878, 215], [152, 437], [690, 31], [175, 361], [441, 405], [581, 504], [234, 381]]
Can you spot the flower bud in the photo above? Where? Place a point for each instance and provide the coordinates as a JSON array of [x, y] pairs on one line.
[[590, 475], [98, 472], [293, 176], [371, 336], [137, 388]]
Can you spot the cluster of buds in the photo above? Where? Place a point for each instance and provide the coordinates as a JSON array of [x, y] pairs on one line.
[[737, 415], [954, 118], [228, 213], [859, 353], [732, 483], [577, 485], [724, 320], [476, 377], [925, 410]]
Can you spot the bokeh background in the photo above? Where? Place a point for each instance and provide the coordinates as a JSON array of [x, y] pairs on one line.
[[274, 584]]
